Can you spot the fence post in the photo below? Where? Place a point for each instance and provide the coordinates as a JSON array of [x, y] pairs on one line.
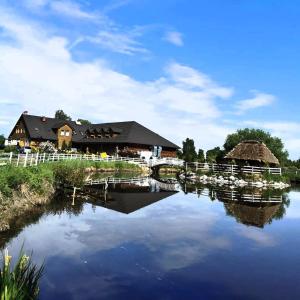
[[10, 157], [18, 160], [44, 157], [31, 159], [37, 159], [25, 161], [231, 169]]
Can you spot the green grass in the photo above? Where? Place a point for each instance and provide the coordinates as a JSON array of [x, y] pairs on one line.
[[12, 178], [19, 282], [38, 178]]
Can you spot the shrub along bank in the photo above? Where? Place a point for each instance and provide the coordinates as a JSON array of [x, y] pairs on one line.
[[38, 179], [22, 189]]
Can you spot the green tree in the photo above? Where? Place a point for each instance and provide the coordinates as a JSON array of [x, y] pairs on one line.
[[84, 122], [214, 155], [189, 153], [59, 114], [2, 141], [201, 156], [275, 144]]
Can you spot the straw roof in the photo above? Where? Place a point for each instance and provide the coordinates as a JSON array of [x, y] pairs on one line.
[[253, 151]]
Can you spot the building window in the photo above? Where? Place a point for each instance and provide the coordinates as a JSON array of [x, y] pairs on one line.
[[67, 133], [62, 133]]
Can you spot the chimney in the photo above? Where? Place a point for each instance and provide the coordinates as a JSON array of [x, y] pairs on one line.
[[25, 112], [43, 118]]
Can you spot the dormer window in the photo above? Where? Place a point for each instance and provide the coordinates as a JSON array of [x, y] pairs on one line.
[[62, 133], [67, 133]]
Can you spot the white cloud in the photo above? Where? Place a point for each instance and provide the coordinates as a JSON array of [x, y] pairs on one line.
[[71, 9], [123, 43], [192, 78], [38, 73], [260, 237], [259, 100], [174, 38], [34, 4], [115, 5]]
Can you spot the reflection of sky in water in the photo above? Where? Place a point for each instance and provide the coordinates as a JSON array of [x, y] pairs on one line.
[[180, 247]]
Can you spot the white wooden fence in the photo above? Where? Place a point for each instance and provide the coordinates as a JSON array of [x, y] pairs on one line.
[[33, 159], [37, 158], [232, 169]]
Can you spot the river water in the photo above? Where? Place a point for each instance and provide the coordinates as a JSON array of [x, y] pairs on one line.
[[153, 239]]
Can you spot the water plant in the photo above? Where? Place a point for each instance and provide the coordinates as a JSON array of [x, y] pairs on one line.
[[21, 281]]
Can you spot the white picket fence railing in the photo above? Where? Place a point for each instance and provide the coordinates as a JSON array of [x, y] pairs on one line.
[[30, 159], [33, 159], [232, 169]]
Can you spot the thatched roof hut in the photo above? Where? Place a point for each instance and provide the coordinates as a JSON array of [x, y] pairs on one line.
[[253, 152]]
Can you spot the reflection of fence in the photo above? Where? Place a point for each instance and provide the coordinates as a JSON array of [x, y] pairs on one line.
[[139, 181], [234, 195], [232, 169]]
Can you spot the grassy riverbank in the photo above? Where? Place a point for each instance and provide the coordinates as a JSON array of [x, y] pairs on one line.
[[38, 179], [22, 189]]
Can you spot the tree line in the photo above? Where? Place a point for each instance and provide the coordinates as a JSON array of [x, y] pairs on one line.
[[217, 154]]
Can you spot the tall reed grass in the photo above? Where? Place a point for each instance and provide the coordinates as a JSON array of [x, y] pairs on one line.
[[21, 281]]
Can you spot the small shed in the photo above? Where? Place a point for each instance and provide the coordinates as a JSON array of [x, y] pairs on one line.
[[254, 153]]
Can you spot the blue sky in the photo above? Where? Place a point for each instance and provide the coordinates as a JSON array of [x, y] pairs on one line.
[[183, 68]]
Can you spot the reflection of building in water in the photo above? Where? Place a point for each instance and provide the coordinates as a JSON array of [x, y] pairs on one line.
[[128, 197], [252, 213], [251, 207]]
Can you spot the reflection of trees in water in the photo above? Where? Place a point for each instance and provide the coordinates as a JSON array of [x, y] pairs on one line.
[[269, 204], [61, 203]]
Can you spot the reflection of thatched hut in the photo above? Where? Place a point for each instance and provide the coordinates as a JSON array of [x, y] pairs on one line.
[[251, 214], [254, 153]]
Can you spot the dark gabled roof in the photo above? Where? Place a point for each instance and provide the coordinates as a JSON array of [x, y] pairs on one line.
[[46, 130], [131, 132], [127, 132]]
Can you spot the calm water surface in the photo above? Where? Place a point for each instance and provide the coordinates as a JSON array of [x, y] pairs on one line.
[[146, 241]]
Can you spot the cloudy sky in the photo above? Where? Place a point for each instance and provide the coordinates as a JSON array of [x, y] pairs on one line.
[[197, 68]]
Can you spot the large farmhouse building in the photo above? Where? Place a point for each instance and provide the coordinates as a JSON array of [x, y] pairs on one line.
[[112, 138]]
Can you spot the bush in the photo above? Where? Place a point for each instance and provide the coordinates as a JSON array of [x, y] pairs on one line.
[[9, 149], [12, 178]]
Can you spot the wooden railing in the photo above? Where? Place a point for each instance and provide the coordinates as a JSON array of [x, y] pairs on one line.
[[232, 169]]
